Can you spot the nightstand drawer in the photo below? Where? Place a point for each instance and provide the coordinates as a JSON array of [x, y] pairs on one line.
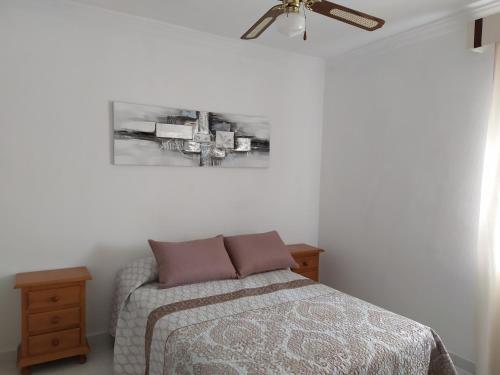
[[54, 342], [307, 258], [54, 297], [53, 320], [307, 262], [311, 274]]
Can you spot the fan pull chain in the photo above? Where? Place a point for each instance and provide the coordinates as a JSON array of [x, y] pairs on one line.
[[305, 22]]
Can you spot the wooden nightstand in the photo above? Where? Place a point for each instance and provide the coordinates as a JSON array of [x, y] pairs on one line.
[[307, 257], [53, 316]]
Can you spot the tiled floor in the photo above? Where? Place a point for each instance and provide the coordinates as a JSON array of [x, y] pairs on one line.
[[100, 362]]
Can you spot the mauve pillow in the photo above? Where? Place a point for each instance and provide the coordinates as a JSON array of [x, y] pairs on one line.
[[255, 253], [181, 263]]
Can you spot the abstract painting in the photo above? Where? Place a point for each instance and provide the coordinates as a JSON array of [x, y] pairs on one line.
[[156, 135]]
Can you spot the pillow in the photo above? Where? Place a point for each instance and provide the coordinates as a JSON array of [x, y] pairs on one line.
[[255, 253], [181, 263]]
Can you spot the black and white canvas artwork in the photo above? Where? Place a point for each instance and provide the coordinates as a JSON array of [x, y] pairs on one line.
[[155, 135]]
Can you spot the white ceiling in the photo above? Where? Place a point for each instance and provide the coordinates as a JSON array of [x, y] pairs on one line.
[[327, 38]]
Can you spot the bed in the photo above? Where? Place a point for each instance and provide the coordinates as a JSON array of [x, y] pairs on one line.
[[270, 323]]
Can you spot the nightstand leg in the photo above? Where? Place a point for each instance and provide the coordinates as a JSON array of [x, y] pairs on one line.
[[26, 371], [82, 359]]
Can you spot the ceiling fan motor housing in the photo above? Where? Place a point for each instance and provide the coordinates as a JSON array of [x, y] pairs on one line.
[[291, 6]]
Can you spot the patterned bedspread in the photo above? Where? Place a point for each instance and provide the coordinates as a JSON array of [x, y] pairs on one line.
[[271, 323]]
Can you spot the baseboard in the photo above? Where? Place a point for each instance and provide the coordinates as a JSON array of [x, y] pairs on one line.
[[97, 340], [463, 363]]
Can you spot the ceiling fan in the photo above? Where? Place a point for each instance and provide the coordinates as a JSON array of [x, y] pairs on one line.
[[292, 21]]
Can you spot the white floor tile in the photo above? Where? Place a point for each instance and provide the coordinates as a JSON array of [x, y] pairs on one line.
[[99, 362]]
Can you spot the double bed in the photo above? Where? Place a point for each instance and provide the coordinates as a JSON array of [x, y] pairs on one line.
[[269, 323]]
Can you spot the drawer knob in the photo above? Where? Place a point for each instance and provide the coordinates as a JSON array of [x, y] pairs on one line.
[[54, 299], [55, 342], [55, 320], [304, 264]]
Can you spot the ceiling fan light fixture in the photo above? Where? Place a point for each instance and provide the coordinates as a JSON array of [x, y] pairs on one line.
[[291, 24]]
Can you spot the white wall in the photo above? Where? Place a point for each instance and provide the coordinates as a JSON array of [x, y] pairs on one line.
[[62, 202], [401, 172]]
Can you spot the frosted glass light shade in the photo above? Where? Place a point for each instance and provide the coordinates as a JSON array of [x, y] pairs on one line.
[[291, 24]]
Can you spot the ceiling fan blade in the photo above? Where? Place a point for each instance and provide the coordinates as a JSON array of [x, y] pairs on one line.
[[347, 15], [263, 23]]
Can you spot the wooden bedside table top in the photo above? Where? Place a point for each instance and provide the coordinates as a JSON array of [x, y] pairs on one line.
[[64, 275], [302, 248]]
